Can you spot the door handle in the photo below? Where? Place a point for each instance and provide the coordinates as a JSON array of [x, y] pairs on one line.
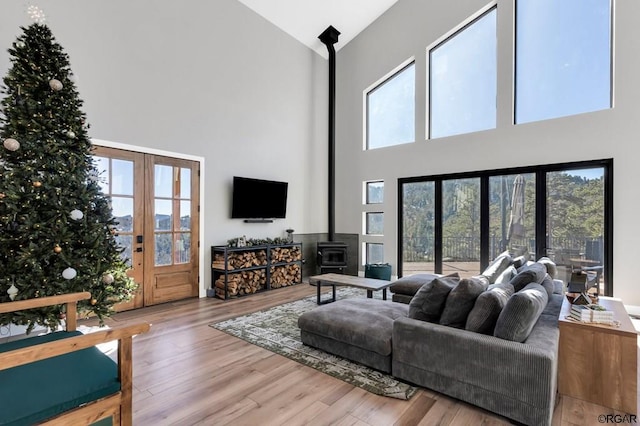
[[138, 249]]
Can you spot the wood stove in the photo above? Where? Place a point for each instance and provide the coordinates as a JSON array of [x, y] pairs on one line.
[[332, 257]]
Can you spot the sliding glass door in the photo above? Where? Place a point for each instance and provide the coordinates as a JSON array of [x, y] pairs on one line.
[[458, 223]]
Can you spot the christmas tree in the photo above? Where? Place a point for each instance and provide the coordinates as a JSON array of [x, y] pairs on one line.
[[57, 231]]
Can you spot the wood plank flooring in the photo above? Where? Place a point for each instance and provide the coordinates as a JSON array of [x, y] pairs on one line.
[[187, 373]]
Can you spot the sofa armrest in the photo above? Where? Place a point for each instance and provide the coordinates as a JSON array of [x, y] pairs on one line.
[[520, 371]]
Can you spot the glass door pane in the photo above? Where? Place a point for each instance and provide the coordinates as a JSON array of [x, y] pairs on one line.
[[418, 228], [461, 227], [172, 186], [116, 180], [575, 223], [512, 207]]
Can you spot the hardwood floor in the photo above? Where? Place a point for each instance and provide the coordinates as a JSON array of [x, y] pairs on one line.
[[187, 373]]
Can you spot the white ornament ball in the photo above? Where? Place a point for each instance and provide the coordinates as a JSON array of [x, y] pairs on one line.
[[55, 84], [107, 279], [76, 214], [12, 292], [69, 274], [20, 45], [71, 134], [11, 144]]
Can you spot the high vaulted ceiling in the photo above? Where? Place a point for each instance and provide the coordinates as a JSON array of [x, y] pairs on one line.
[[306, 19]]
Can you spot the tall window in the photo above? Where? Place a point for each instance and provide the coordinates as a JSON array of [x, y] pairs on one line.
[[458, 223], [373, 223], [462, 80], [563, 58], [391, 110]]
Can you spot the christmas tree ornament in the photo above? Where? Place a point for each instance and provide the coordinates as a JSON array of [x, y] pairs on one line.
[[94, 301], [12, 292], [55, 85], [107, 279], [37, 183], [36, 14], [11, 144], [2, 195], [69, 273], [57, 249], [71, 134], [20, 45], [76, 214]]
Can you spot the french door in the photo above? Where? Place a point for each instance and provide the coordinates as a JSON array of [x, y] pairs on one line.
[[155, 200]]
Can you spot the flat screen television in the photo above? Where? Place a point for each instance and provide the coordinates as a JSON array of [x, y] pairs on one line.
[[258, 199]]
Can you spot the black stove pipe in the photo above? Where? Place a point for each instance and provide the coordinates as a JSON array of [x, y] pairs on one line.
[[329, 37]]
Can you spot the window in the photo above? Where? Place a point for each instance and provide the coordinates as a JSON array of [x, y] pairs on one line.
[[390, 110], [460, 222], [374, 253], [374, 192], [374, 223], [463, 78], [563, 58]]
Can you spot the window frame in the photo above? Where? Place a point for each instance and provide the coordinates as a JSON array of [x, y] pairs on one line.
[[515, 68], [377, 85], [442, 40]]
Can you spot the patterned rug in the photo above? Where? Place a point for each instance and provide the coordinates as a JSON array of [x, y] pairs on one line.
[[276, 329]]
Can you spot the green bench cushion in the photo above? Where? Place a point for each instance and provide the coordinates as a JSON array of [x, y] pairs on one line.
[[40, 390]]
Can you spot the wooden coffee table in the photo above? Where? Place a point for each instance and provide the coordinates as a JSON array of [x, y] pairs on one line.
[[333, 280]]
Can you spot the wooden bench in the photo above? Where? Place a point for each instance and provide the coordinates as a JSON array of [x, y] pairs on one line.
[[61, 378]]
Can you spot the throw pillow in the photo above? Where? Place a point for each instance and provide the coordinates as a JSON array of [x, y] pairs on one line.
[[552, 269], [521, 312], [412, 283], [533, 273], [429, 301], [460, 301], [496, 267], [547, 284], [506, 275], [485, 312]]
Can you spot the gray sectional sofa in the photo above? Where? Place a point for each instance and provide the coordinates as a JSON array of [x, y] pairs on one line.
[[516, 379]]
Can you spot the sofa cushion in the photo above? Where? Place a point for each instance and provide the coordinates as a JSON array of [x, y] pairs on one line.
[[552, 269], [460, 301], [364, 323], [495, 268], [54, 385], [533, 273], [486, 310], [521, 312], [429, 301], [412, 283]]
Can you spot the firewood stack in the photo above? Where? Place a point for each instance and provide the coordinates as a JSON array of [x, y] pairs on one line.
[[282, 276], [242, 283], [240, 259], [285, 254]]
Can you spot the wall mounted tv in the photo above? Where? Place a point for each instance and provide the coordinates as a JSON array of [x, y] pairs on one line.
[[258, 199]]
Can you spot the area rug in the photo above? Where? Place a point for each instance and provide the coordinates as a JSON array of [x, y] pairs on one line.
[[276, 329]]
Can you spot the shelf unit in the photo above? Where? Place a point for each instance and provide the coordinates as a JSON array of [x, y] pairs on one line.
[[240, 271]]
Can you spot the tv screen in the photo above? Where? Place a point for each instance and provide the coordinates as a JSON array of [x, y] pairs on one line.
[[258, 199]]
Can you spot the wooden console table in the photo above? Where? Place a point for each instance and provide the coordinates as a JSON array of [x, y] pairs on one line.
[[598, 363]]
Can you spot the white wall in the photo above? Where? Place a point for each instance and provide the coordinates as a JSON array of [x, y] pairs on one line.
[[405, 31], [205, 78]]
